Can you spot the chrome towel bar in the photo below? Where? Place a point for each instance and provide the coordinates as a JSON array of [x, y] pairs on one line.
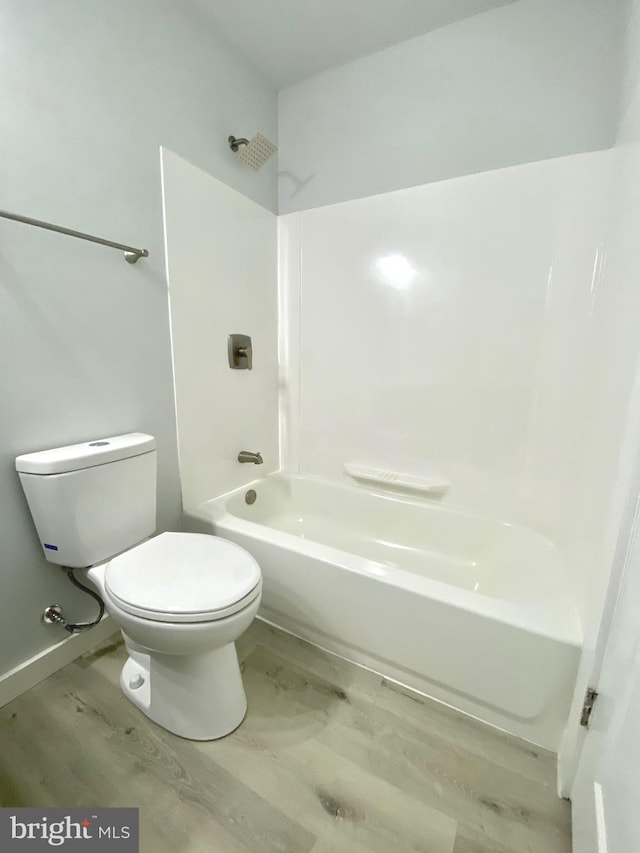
[[131, 254]]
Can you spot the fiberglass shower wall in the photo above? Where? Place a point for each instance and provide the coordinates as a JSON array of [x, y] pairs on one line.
[[446, 329]]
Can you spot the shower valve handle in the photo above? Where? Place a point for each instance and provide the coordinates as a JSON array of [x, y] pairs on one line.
[[240, 352]]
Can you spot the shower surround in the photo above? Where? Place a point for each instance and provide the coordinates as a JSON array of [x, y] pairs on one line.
[[445, 331]]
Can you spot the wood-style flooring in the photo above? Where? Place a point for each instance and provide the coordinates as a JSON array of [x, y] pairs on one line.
[[330, 758]]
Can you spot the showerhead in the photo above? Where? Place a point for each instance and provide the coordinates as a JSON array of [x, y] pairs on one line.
[[256, 152]]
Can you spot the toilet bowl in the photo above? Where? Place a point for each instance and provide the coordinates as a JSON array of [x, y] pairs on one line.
[[181, 601]]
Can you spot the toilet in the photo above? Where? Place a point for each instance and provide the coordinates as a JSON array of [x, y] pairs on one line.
[[180, 599]]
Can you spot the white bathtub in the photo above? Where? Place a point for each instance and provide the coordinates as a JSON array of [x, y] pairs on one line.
[[472, 611]]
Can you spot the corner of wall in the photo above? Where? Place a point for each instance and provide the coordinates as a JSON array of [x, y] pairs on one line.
[[289, 298]]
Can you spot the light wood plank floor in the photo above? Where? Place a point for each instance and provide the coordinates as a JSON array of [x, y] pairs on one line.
[[329, 758]]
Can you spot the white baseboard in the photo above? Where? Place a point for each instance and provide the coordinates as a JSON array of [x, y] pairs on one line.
[[44, 664]]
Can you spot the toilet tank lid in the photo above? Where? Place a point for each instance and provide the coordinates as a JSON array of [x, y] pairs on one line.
[[88, 454]]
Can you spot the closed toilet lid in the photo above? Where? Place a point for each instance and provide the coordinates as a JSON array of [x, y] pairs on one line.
[[183, 577]]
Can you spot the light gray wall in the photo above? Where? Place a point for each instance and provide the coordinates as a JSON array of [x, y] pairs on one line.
[[89, 91], [529, 81]]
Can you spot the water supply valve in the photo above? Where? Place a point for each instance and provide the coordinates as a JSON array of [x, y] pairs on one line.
[[53, 615]]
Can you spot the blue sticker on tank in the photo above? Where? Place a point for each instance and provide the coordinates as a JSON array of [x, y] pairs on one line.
[[50, 547]]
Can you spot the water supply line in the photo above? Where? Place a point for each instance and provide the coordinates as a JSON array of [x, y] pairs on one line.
[[53, 614]]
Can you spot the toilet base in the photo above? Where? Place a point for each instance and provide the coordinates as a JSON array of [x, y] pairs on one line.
[[199, 697]]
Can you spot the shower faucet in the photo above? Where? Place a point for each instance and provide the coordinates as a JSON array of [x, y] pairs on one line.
[[256, 151], [248, 456]]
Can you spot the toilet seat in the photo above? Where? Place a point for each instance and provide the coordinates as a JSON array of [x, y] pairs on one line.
[[183, 577]]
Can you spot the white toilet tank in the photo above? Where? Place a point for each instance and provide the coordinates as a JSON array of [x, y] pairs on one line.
[[93, 500]]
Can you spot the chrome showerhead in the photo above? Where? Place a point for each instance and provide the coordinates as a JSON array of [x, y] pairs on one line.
[[256, 152]]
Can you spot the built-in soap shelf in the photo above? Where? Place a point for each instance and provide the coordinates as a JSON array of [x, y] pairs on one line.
[[430, 483]]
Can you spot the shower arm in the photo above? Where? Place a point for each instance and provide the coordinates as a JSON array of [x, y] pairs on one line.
[[235, 142]]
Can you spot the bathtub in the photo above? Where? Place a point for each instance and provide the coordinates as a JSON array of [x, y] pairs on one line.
[[472, 611]]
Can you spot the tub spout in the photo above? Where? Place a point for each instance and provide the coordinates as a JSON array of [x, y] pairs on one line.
[[247, 456]]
